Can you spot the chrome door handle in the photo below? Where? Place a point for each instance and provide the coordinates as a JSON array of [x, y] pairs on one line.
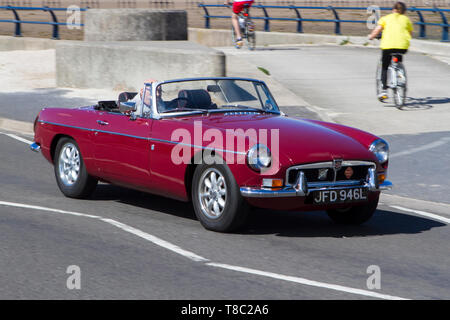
[[102, 123]]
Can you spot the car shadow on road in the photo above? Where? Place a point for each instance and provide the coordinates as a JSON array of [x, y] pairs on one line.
[[279, 223], [317, 224], [107, 192]]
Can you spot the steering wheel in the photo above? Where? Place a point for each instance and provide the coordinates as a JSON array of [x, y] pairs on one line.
[[178, 103]]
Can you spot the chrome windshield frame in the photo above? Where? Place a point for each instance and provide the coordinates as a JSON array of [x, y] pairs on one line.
[[154, 114]]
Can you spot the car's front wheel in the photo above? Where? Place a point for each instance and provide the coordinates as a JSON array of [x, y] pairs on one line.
[[70, 171], [354, 215], [216, 198]]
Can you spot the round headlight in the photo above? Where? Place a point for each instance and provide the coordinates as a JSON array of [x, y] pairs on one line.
[[381, 149], [259, 157]]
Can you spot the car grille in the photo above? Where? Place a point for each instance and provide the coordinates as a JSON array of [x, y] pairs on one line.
[[331, 175]]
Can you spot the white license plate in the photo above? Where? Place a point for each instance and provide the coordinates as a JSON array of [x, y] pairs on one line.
[[340, 196]]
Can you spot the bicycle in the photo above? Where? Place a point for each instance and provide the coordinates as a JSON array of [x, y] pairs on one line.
[[247, 27], [396, 79]]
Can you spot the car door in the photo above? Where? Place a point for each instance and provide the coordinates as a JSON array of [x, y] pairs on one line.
[[122, 149]]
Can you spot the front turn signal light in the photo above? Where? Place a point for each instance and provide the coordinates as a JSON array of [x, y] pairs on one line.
[[272, 183], [381, 178]]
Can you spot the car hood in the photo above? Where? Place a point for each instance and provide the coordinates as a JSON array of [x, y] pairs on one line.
[[299, 140]]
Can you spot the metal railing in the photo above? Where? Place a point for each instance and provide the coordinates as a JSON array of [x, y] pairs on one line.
[[54, 23], [336, 20]]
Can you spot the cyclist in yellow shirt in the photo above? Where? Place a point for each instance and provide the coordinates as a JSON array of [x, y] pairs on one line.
[[397, 32]]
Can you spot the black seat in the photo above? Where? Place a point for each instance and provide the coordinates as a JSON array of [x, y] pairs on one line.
[[197, 99], [125, 96]]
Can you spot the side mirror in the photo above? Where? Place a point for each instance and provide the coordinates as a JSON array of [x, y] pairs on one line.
[[127, 107]]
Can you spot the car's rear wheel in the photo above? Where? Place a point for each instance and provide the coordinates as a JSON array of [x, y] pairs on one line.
[[70, 171], [354, 215], [216, 198]]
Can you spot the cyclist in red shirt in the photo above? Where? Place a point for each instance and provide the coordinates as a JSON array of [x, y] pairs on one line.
[[238, 5]]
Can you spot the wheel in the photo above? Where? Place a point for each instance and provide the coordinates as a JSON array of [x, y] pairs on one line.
[[233, 38], [400, 90], [216, 198], [251, 40], [354, 215], [378, 82], [70, 171]]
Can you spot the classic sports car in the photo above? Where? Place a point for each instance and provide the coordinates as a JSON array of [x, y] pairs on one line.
[[221, 143]]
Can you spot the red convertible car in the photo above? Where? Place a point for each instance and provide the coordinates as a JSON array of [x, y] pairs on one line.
[[221, 143]]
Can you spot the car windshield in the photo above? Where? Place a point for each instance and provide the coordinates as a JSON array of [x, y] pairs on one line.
[[214, 95]]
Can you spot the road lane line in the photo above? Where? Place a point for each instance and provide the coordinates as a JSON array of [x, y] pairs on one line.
[[26, 206], [305, 281], [423, 213], [192, 256], [155, 240], [17, 138], [432, 145]]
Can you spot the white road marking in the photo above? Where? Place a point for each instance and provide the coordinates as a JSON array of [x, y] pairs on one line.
[[423, 213], [197, 258], [156, 240], [129, 229], [305, 281], [432, 145], [17, 138], [26, 206]]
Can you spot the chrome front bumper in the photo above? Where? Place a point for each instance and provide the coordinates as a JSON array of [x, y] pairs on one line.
[[303, 189]]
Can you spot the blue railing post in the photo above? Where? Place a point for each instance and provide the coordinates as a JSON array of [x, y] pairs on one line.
[[444, 27], [299, 21], [207, 25], [18, 31], [266, 20], [55, 25], [422, 33], [337, 28]]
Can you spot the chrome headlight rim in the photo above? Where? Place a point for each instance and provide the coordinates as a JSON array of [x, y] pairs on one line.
[[258, 160], [381, 150]]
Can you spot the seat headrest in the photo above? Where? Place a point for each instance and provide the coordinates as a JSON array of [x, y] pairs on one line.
[[198, 98], [125, 96]]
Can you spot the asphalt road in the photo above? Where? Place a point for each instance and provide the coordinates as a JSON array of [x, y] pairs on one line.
[[37, 246], [340, 81], [279, 255]]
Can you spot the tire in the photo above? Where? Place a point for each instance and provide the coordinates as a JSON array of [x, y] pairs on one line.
[[251, 40], [228, 210], [233, 38], [378, 83], [400, 90], [355, 215], [251, 37], [70, 171]]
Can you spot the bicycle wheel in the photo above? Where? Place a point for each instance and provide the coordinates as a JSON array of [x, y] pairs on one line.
[[401, 88], [233, 38], [250, 35], [378, 82]]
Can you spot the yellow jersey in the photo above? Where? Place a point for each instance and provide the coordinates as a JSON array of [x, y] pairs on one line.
[[396, 31]]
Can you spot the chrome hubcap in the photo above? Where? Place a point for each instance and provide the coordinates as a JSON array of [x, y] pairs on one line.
[[69, 164], [212, 193]]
